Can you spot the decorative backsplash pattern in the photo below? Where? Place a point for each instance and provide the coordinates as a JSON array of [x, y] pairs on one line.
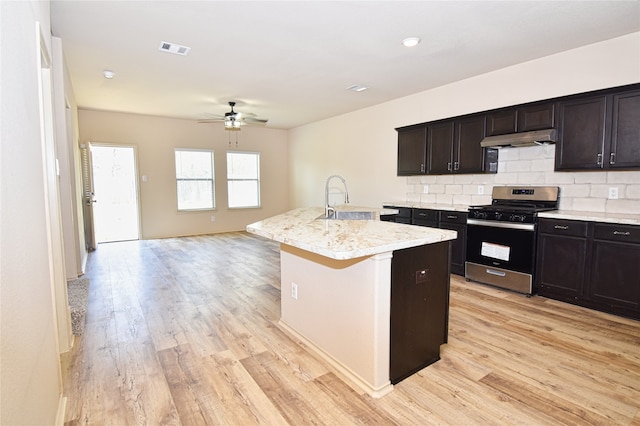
[[579, 191]]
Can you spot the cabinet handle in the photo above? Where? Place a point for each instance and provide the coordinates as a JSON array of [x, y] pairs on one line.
[[612, 158], [452, 217], [456, 166], [422, 168], [624, 233], [494, 272], [449, 166], [563, 227], [599, 160]]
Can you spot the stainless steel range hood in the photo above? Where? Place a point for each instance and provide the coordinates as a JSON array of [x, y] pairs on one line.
[[538, 137]]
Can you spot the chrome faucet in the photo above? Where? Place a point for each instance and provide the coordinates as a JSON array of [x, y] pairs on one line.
[[327, 208]]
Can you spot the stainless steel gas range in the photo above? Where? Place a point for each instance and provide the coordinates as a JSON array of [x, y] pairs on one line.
[[501, 236]]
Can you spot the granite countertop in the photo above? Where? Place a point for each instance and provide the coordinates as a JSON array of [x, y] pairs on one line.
[[345, 239], [619, 218], [431, 206]]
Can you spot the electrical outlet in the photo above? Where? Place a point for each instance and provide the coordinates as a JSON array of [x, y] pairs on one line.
[[425, 189], [213, 218], [294, 291], [480, 190], [613, 193]]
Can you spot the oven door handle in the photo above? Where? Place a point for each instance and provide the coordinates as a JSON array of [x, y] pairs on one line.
[[498, 273], [497, 224]]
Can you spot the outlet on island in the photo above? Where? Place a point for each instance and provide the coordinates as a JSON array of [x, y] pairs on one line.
[[294, 291]]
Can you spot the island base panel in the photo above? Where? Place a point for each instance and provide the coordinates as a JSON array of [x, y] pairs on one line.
[[419, 308], [342, 307]]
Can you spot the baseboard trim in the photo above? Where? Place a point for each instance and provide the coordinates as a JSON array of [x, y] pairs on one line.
[[62, 408]]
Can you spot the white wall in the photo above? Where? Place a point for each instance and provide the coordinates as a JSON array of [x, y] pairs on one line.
[[30, 385], [362, 146], [157, 137]]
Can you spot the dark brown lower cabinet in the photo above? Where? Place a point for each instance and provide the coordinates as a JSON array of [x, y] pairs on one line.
[[590, 264], [615, 269], [419, 308], [562, 254], [456, 221]]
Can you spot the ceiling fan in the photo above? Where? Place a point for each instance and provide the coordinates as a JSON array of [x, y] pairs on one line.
[[234, 120]]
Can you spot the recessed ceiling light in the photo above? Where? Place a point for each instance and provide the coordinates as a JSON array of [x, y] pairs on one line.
[[357, 88], [411, 41], [108, 74]]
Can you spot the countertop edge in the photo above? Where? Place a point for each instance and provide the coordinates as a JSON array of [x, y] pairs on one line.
[[616, 218]]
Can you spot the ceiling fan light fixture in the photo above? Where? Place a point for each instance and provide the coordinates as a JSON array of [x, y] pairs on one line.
[[411, 41], [232, 125], [108, 74]]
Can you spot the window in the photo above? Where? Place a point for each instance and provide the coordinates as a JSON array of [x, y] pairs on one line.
[[243, 179], [194, 178]]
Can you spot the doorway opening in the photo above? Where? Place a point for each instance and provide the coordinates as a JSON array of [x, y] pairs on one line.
[[115, 185]]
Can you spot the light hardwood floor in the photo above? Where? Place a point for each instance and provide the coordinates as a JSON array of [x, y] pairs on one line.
[[184, 331]]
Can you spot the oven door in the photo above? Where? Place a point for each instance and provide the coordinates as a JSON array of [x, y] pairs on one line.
[[504, 245], [501, 254]]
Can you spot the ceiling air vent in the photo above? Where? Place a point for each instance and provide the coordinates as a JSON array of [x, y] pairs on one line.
[[174, 48]]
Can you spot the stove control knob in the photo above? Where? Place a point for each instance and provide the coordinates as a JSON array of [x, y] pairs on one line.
[[481, 215], [517, 218], [498, 215]]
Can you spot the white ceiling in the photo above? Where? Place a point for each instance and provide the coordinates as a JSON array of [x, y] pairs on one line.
[[291, 61]]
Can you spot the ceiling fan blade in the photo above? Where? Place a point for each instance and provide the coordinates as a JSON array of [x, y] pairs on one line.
[[211, 120], [255, 121]]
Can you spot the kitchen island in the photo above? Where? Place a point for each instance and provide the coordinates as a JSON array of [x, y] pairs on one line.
[[336, 285]]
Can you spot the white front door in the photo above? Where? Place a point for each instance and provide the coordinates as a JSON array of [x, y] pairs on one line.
[[115, 209]]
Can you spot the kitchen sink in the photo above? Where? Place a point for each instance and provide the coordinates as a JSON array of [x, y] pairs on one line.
[[349, 215]]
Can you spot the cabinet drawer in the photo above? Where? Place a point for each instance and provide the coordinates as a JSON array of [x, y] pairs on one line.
[[612, 232], [402, 211], [425, 215], [563, 227], [453, 217]]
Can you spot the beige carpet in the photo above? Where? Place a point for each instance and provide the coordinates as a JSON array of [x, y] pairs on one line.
[[78, 293]]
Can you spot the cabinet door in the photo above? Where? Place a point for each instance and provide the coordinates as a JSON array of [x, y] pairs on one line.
[[536, 117], [625, 131], [468, 154], [615, 273], [581, 135], [458, 246], [440, 153], [501, 122], [562, 253], [412, 151]]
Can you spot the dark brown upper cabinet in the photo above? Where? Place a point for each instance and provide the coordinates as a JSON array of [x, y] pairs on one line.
[[412, 151], [444, 147], [454, 146], [468, 155], [520, 119], [625, 131], [440, 148], [581, 134], [599, 132]]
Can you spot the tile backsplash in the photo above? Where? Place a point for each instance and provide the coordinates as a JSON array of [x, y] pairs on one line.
[[580, 191]]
